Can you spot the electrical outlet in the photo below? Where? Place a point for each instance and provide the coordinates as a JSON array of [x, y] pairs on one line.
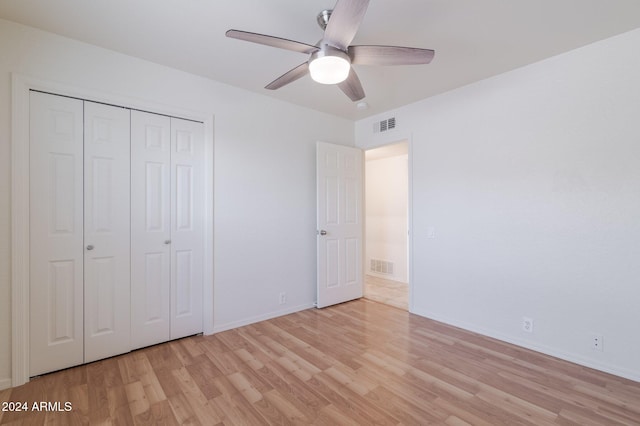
[[527, 325], [283, 298], [597, 342]]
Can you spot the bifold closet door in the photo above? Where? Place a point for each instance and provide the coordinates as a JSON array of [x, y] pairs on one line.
[[56, 233], [167, 213], [106, 209], [151, 228], [187, 226], [107, 294]]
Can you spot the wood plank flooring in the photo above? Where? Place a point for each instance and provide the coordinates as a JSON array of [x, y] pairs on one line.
[[359, 363], [389, 292]]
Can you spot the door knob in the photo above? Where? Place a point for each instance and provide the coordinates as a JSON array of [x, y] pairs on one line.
[[89, 247], [167, 241], [323, 232]]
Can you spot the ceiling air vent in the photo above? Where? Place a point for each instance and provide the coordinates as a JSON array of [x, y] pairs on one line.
[[384, 125]]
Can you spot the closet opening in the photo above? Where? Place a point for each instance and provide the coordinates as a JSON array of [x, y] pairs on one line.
[[116, 230], [62, 247]]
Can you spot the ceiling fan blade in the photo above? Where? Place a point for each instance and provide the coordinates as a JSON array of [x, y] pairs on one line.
[[344, 22], [352, 87], [268, 40], [289, 77], [389, 55]]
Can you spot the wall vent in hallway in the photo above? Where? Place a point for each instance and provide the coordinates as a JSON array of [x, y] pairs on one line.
[[381, 266], [384, 125]]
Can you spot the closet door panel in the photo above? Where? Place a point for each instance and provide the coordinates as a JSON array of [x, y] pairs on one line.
[[151, 228], [107, 310], [187, 217], [56, 267]]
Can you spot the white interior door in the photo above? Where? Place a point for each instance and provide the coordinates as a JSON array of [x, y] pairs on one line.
[[55, 239], [340, 225], [106, 231], [150, 228], [187, 226]]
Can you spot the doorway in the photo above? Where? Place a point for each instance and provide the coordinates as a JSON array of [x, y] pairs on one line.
[[386, 257]]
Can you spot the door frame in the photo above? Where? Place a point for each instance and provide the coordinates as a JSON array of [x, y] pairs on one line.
[[408, 138], [20, 173]]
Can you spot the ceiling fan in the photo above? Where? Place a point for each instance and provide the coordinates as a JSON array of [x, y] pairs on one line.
[[331, 58]]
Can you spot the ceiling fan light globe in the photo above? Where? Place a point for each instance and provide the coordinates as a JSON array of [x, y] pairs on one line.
[[329, 66]]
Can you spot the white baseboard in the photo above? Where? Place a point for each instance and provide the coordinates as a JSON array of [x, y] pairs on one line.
[[547, 350], [5, 384], [264, 317]]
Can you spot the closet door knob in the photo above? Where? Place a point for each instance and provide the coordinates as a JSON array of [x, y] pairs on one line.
[[89, 247], [167, 241]]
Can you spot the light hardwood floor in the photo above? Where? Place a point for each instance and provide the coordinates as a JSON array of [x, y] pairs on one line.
[[389, 292], [361, 362]]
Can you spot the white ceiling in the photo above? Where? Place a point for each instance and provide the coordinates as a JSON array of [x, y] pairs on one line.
[[473, 39]]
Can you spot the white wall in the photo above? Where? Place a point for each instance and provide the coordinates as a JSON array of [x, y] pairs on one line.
[[531, 180], [264, 171], [386, 214]]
